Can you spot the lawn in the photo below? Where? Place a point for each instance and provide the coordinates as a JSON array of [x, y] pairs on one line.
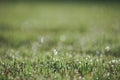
[[59, 41]]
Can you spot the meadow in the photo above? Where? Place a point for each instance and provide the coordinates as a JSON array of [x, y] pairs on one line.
[[59, 41]]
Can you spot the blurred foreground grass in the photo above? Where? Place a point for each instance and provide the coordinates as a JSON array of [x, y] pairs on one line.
[[59, 41]]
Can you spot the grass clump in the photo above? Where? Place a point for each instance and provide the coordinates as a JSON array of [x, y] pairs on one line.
[[59, 41]]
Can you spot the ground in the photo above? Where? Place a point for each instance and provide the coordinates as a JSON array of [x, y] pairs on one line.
[[59, 41]]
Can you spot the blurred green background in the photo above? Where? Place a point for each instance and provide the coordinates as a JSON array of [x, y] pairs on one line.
[[86, 26]]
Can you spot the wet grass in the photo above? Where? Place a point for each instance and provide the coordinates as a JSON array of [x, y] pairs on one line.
[[59, 41]]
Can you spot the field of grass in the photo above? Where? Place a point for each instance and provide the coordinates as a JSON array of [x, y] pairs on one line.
[[59, 41]]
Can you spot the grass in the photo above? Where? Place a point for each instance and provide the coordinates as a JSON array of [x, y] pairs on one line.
[[59, 41]]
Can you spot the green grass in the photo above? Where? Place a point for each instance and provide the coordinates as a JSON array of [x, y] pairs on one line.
[[59, 41]]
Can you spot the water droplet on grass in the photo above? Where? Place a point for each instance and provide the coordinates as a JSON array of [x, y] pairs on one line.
[[107, 48], [42, 39], [55, 51]]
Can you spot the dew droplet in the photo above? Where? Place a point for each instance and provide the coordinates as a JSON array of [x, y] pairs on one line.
[[55, 51], [42, 39], [107, 48]]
